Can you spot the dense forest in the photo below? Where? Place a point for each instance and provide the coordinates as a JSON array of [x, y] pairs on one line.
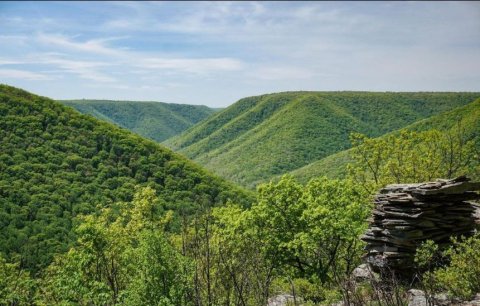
[[260, 137], [155, 120], [92, 214], [56, 164]]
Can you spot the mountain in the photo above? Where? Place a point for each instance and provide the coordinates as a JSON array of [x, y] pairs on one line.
[[334, 166], [56, 164], [260, 137], [154, 120]]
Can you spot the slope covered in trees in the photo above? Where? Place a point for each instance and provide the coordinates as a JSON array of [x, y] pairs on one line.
[[155, 239], [260, 137], [56, 163], [154, 120], [464, 120]]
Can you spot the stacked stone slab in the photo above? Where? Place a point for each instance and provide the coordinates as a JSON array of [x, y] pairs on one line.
[[406, 215]]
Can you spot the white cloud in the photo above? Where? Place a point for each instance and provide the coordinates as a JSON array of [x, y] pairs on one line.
[[127, 58], [192, 65], [13, 39], [84, 69], [97, 46], [23, 75]]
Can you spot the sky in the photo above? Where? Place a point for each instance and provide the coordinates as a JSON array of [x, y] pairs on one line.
[[214, 53]]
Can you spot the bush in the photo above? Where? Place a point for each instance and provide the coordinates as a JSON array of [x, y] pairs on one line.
[[461, 278]]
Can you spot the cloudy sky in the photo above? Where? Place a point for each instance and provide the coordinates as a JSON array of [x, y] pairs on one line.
[[214, 53]]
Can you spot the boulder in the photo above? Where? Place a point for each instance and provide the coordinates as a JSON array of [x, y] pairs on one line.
[[406, 215], [363, 272]]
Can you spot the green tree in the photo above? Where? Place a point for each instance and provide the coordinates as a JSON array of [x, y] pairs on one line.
[[122, 256], [160, 274], [412, 157], [16, 286], [311, 231], [461, 277]]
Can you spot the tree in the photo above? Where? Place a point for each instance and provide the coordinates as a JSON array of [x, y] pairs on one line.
[[16, 286], [246, 272], [411, 157], [122, 256], [461, 277], [311, 231]]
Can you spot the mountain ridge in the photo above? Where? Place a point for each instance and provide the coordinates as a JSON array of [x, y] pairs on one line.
[[155, 120], [263, 136]]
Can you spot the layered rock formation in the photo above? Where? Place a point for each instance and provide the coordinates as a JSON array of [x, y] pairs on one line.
[[406, 215]]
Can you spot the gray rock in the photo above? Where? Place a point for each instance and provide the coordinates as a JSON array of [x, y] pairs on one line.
[[406, 215], [363, 272], [441, 299], [283, 300], [416, 298]]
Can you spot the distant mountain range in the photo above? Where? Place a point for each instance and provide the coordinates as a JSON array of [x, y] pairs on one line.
[[154, 120], [258, 138]]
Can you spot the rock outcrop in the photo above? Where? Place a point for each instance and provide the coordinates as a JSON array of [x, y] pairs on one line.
[[406, 215]]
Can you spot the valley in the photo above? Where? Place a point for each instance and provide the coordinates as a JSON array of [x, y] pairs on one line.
[[154, 120], [258, 138]]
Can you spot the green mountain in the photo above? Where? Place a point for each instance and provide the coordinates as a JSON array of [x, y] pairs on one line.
[[56, 164], [334, 166], [154, 120], [260, 137]]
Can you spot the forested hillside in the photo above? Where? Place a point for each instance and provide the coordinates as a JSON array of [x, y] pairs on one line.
[[56, 163], [464, 120], [154, 120], [260, 137], [92, 214]]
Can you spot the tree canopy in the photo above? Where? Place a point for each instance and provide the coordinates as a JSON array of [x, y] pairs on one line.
[[56, 164]]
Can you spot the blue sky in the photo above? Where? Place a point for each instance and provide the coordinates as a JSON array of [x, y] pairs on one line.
[[215, 53]]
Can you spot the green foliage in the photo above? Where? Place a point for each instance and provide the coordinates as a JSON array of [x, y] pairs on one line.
[[454, 269], [155, 120], [428, 257], [161, 275], [426, 254], [297, 239], [120, 258], [411, 157], [16, 286], [260, 137], [56, 164], [333, 166], [460, 125], [312, 230], [229, 266], [461, 278]]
